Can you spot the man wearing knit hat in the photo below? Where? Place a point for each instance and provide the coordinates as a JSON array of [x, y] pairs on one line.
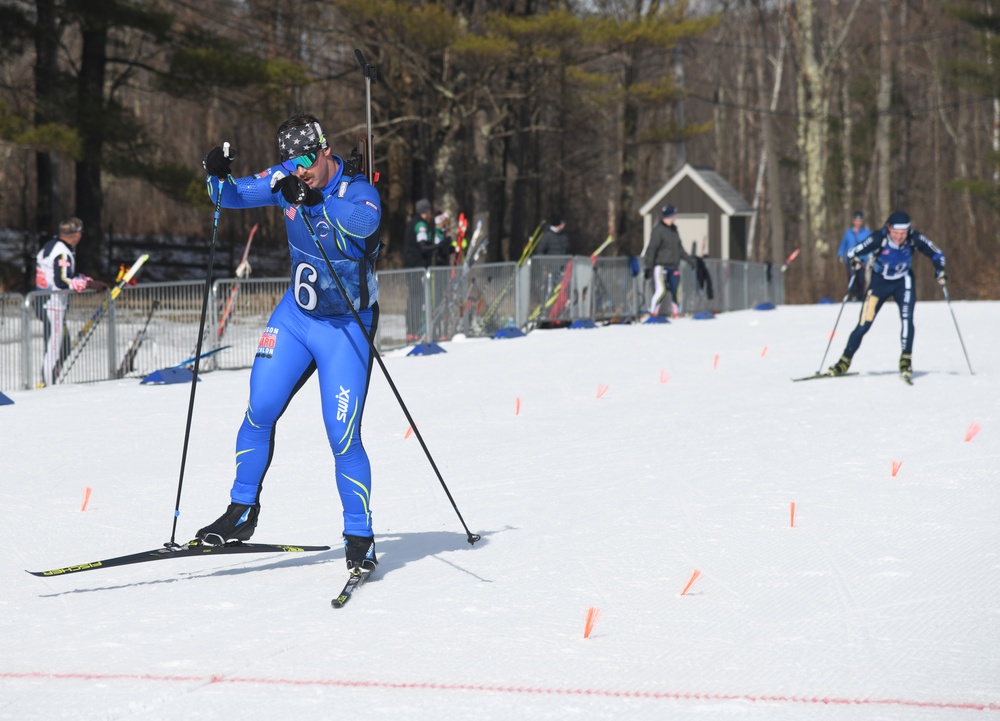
[[663, 259]]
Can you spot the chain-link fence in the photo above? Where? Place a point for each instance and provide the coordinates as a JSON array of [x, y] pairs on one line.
[[154, 326]]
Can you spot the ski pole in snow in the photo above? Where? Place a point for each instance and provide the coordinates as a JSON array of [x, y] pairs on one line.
[[944, 289], [472, 537], [847, 295], [197, 352]]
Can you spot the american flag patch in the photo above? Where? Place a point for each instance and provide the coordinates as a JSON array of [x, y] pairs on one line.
[[371, 205], [290, 212], [264, 173]]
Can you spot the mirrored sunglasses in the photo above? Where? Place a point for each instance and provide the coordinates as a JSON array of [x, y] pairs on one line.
[[301, 161]]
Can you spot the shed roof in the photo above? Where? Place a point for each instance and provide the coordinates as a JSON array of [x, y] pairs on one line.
[[714, 185]]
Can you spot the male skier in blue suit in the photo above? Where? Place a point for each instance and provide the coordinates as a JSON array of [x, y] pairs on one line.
[[312, 327]]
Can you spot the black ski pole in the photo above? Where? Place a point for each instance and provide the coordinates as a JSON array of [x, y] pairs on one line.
[[197, 353], [944, 289], [847, 295], [472, 537], [371, 75]]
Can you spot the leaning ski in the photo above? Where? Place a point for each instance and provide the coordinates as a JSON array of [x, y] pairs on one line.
[[87, 331], [191, 548], [357, 578], [128, 362], [814, 376]]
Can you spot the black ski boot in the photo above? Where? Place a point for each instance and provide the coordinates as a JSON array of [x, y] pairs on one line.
[[360, 552], [236, 524], [840, 367]]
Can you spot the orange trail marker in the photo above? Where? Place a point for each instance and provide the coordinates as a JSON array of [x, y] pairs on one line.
[[792, 512], [763, 352], [895, 467], [86, 498], [974, 428], [591, 620], [664, 376], [601, 389], [716, 363], [409, 432], [694, 577]]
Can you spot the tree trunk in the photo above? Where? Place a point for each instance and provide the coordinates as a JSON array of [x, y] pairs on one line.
[[774, 250], [681, 159], [846, 144], [90, 122], [743, 153], [48, 209], [481, 160], [629, 148], [883, 128], [812, 135], [813, 107]]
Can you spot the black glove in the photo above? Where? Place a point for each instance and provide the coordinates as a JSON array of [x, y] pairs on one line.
[[942, 278], [218, 163], [648, 273], [857, 263], [296, 192], [96, 285]]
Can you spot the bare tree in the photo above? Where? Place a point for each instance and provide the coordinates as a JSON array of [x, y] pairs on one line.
[[817, 46]]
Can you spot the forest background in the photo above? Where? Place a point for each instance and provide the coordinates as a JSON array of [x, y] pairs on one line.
[[513, 108]]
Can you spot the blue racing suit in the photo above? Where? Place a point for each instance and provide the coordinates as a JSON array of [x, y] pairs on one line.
[[312, 329], [892, 276]]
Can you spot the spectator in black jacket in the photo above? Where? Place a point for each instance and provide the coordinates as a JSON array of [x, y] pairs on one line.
[[554, 241], [662, 261], [418, 240]]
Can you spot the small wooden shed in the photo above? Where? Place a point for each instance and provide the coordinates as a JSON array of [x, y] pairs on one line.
[[710, 213]]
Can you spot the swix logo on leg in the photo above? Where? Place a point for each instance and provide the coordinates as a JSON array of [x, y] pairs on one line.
[[343, 399], [265, 349]]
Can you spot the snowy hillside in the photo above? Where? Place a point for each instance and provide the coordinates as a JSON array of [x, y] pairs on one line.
[[603, 468]]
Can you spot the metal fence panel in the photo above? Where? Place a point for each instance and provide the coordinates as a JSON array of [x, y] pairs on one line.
[[549, 286], [695, 298], [402, 312], [491, 299], [243, 308], [613, 289], [11, 345], [87, 345], [447, 289], [154, 325], [170, 314]]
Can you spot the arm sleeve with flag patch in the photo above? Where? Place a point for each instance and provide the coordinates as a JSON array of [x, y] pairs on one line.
[[253, 191]]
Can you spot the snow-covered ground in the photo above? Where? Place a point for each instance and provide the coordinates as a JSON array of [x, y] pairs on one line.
[[882, 602]]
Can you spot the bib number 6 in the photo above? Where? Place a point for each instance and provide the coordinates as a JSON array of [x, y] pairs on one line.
[[305, 293]]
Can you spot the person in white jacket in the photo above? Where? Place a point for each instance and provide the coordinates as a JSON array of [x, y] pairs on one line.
[[55, 270]]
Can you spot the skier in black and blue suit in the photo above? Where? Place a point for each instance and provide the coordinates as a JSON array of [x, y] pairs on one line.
[[312, 328], [892, 248]]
